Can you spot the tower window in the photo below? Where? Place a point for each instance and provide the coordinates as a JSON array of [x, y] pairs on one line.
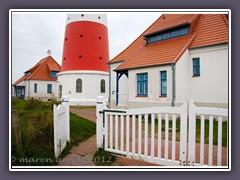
[[80, 56], [100, 57], [100, 37], [81, 36], [66, 39], [79, 85], [82, 15], [102, 86], [59, 91]]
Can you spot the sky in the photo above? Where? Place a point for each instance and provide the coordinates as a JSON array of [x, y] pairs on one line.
[[34, 33]]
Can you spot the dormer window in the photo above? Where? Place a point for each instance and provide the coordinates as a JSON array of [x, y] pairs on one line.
[[27, 73], [175, 32], [53, 74]]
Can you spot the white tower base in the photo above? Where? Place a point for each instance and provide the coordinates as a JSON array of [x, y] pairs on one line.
[[90, 86]]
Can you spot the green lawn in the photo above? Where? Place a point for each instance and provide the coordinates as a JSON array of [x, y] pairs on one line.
[[198, 131], [36, 128]]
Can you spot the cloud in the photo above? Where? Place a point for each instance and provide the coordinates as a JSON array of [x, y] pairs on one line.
[[34, 33]]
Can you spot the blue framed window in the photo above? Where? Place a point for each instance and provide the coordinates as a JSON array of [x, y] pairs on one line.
[[163, 83], [166, 35], [142, 84], [183, 31], [196, 66], [150, 40], [53, 74], [35, 87], [49, 88], [175, 32]]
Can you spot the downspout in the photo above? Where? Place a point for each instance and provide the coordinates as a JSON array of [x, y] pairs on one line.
[[28, 88], [109, 95], [173, 84]]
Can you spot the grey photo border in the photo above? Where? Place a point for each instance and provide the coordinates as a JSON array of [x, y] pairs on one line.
[[139, 168], [4, 79]]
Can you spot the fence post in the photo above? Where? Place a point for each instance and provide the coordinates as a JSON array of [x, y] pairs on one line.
[[183, 134], [192, 133], [100, 106], [16, 135], [65, 102]]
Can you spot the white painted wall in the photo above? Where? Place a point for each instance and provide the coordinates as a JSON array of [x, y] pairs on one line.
[[98, 18], [90, 86], [41, 89], [153, 98], [182, 79], [212, 85], [210, 89]]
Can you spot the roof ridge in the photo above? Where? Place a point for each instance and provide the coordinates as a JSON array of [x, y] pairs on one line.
[[224, 19], [39, 65], [193, 18], [185, 48]]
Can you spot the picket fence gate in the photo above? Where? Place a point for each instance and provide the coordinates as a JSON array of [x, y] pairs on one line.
[[132, 133], [61, 126]]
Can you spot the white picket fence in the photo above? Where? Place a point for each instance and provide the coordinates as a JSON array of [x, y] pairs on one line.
[[61, 126], [209, 114], [128, 132]]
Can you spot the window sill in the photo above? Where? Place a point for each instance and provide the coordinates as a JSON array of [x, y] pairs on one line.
[[196, 76], [163, 96], [141, 96]]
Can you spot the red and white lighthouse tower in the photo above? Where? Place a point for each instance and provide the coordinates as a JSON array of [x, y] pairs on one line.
[[84, 73]]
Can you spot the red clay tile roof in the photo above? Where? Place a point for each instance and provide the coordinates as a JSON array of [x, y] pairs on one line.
[[138, 54], [170, 21], [210, 29], [158, 53], [41, 71]]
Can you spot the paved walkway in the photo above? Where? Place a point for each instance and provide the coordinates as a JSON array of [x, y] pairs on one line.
[[82, 154]]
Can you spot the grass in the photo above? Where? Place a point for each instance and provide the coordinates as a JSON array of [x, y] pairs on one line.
[[198, 131], [80, 130], [83, 107], [36, 128]]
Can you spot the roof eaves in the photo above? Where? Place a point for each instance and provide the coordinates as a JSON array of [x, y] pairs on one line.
[[19, 80], [145, 66], [209, 45], [117, 61], [193, 18]]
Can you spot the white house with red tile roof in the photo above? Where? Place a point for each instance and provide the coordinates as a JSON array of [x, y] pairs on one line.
[[39, 82], [180, 56]]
